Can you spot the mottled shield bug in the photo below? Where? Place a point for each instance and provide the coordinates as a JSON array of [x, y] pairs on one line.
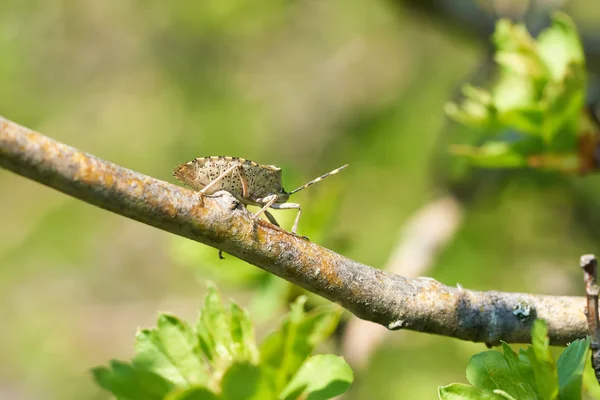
[[249, 182]]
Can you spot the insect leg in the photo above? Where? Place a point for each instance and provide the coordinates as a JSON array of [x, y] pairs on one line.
[[271, 218], [268, 202], [290, 206], [244, 181]]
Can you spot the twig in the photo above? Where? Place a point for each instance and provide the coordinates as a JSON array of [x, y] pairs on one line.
[[590, 273], [423, 305]]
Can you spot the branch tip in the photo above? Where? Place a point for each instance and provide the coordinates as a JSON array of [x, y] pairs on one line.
[[589, 263]]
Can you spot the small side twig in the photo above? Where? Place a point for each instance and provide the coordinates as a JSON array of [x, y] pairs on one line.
[[589, 264]]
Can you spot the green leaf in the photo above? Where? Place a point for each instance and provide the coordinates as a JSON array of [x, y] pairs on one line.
[[246, 382], [320, 377], [476, 109], [590, 383], [219, 359], [285, 350], [528, 119], [513, 37], [214, 330], [544, 368], [460, 391], [242, 334], [513, 92], [571, 364], [171, 350], [130, 382], [193, 393], [539, 92], [559, 45], [520, 64], [521, 368], [562, 102], [490, 371], [531, 374]]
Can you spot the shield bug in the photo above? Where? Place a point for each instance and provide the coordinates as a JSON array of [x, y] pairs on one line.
[[249, 182]]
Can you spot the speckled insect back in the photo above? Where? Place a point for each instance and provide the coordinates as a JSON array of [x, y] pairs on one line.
[[199, 173], [247, 181]]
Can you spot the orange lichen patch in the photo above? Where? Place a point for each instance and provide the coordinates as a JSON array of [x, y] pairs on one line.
[[445, 296], [31, 136], [85, 171], [301, 257], [109, 180]]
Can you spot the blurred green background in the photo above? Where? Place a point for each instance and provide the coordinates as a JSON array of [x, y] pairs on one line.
[[307, 85]]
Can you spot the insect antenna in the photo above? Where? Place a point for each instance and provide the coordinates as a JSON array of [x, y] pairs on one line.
[[335, 171]]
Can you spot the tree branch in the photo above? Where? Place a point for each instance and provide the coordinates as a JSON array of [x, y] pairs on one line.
[[589, 264], [423, 305]]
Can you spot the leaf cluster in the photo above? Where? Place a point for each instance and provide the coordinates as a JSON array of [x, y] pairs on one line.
[[530, 374], [539, 94], [218, 358]]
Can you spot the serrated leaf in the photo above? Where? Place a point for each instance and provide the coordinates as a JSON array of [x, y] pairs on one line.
[[544, 367], [129, 382], [225, 336], [460, 391], [193, 393], [171, 350], [521, 368], [242, 333], [320, 377], [214, 328], [490, 371], [181, 345], [570, 365], [285, 350], [246, 382]]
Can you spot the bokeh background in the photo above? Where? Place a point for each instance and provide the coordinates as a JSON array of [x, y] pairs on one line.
[[307, 85]]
